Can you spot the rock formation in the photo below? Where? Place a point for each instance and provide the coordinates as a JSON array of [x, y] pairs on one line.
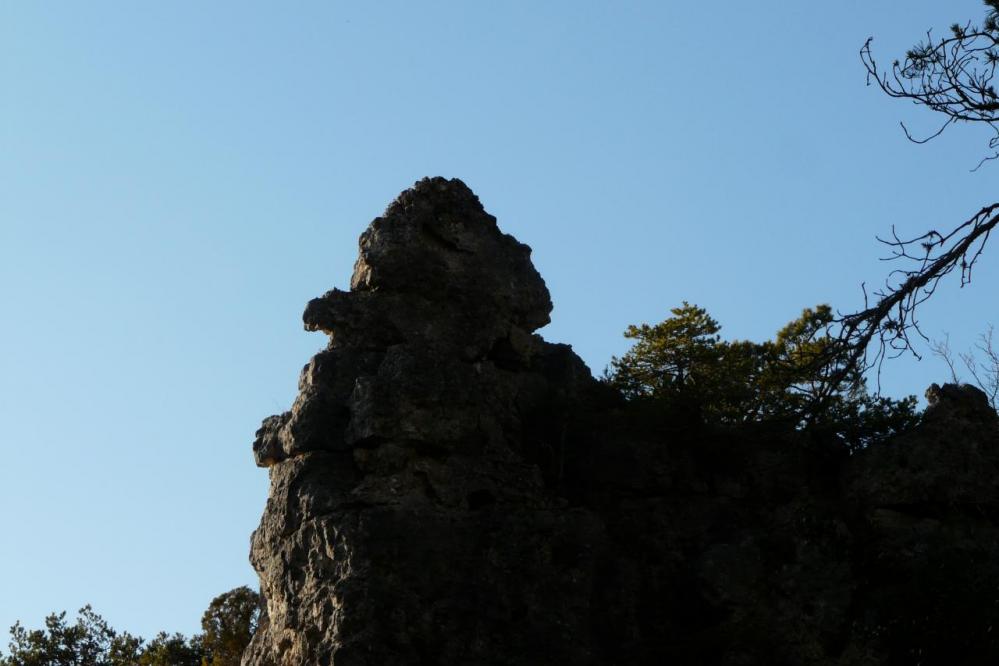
[[449, 488], [406, 509]]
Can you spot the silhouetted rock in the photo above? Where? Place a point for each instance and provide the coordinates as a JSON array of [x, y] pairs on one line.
[[951, 460], [449, 488], [408, 518]]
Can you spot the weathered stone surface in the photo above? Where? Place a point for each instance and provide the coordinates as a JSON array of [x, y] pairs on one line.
[[449, 488], [407, 505], [927, 507], [952, 460]]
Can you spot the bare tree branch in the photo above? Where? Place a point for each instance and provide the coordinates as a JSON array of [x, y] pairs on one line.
[[951, 75], [985, 372], [941, 349], [884, 329]]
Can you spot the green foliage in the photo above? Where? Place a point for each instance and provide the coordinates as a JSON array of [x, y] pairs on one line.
[[175, 650], [87, 642], [676, 356], [801, 376], [228, 624]]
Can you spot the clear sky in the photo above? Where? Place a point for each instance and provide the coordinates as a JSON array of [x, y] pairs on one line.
[[178, 179]]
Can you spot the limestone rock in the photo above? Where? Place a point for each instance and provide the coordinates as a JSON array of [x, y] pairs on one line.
[[952, 459], [449, 488], [408, 520]]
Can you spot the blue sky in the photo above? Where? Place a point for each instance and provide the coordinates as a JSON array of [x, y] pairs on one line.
[[178, 179]]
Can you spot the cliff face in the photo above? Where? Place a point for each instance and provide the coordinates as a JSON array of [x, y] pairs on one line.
[[406, 521], [448, 488]]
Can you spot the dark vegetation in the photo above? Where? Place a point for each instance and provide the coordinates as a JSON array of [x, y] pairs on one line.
[[227, 626], [851, 530], [802, 378], [812, 373]]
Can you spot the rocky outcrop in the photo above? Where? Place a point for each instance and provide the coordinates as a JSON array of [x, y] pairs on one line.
[[409, 520], [927, 524], [449, 488]]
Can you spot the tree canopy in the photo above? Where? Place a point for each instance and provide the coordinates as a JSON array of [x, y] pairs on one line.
[[802, 377], [87, 642], [228, 625]]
